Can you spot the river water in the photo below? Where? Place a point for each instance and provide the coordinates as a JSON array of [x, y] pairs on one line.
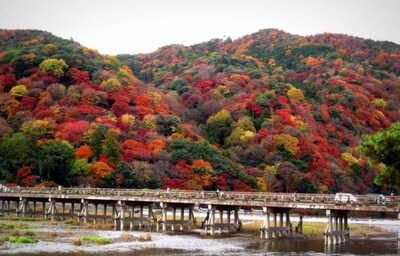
[[193, 244]]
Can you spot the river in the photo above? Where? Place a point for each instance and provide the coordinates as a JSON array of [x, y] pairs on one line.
[[193, 243]]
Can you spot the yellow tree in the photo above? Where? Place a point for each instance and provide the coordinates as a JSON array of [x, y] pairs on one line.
[[288, 142], [56, 67], [18, 91], [295, 93]]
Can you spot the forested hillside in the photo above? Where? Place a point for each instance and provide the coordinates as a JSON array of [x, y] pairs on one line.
[[269, 111]]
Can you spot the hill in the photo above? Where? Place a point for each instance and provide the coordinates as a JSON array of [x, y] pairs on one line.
[[269, 111]]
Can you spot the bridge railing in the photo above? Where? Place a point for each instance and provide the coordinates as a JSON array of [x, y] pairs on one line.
[[185, 194]]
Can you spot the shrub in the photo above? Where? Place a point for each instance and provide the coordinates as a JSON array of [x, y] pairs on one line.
[[77, 241], [96, 239], [144, 238], [21, 240], [13, 239], [126, 236]]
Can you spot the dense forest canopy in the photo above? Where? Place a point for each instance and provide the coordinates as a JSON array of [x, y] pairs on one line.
[[269, 111]]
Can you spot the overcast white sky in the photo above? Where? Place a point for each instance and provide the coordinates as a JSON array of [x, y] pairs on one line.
[[140, 26]]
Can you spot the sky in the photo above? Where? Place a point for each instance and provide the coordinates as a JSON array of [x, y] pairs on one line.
[[142, 26]]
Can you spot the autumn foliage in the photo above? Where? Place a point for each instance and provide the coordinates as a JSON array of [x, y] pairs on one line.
[[269, 111]]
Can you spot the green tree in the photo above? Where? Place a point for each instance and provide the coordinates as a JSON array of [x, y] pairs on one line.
[[124, 177], [56, 67], [384, 147], [94, 137], [15, 152], [110, 145], [81, 167], [57, 157], [218, 127], [188, 151]]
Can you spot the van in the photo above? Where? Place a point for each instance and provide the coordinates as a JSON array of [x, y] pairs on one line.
[[376, 199], [345, 198]]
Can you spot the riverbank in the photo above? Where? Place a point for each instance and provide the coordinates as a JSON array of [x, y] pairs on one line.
[[67, 238]]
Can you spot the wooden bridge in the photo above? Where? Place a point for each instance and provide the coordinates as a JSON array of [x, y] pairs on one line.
[[175, 208]]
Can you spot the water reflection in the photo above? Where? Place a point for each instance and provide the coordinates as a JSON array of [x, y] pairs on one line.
[[384, 246]]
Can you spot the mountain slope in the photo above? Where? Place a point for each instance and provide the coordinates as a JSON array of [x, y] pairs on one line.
[[270, 111]]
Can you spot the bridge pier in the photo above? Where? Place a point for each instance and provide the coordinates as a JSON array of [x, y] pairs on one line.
[[83, 211], [52, 209], [118, 213], [337, 228], [211, 223], [171, 209], [124, 212], [44, 209], [22, 207], [283, 229], [6, 210], [104, 213]]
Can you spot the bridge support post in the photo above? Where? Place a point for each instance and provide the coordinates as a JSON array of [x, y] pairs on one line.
[[104, 213], [23, 207], [212, 219], [163, 216], [141, 217], [122, 217], [52, 209], [44, 210], [299, 227], [2, 207], [18, 209], [288, 232], [63, 210], [34, 209], [173, 218], [114, 215], [337, 230], [191, 217], [72, 211], [118, 214], [8, 207], [283, 229], [221, 220], [131, 216], [96, 206], [209, 220], [150, 216], [84, 211], [182, 218]]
